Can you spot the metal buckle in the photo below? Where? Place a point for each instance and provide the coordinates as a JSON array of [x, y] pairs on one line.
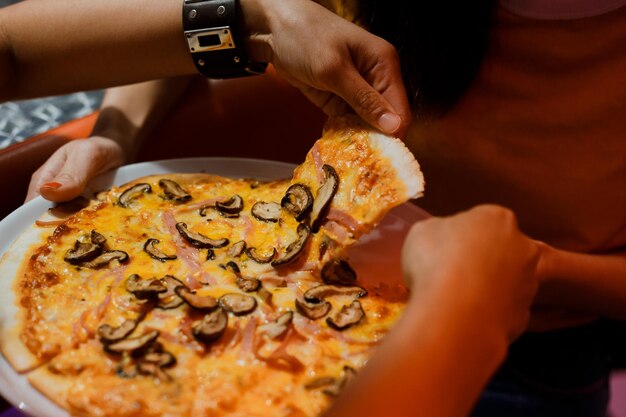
[[213, 39]]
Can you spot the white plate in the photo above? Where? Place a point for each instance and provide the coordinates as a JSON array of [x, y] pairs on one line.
[[376, 255]]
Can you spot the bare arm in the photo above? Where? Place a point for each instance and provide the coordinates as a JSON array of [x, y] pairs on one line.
[[473, 280], [55, 46], [587, 283], [52, 47], [434, 363], [127, 116]]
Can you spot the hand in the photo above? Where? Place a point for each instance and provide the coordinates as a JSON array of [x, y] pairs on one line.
[[478, 261], [66, 173], [334, 62]]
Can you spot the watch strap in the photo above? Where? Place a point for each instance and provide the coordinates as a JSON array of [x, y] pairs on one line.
[[215, 41]]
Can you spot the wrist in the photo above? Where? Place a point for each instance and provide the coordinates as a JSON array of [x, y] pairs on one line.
[[113, 125], [254, 18], [463, 307], [461, 326]]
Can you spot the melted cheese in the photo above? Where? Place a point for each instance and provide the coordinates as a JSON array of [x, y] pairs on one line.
[[243, 373]]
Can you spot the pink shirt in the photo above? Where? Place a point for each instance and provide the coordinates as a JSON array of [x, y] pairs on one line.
[[560, 9]]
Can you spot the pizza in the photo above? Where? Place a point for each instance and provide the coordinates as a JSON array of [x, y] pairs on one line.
[[199, 295]]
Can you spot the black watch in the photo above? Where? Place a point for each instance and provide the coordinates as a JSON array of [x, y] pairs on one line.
[[215, 41]]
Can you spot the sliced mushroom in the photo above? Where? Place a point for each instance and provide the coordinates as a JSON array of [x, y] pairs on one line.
[[82, 252], [267, 212], [277, 327], [161, 359], [248, 284], [196, 301], [320, 292], [295, 248], [173, 191], [144, 288], [232, 267], [321, 382], [237, 249], [233, 205], [313, 311], [347, 375], [262, 258], [98, 239], [109, 334], [132, 193], [170, 298], [211, 327], [150, 248], [338, 272], [152, 369], [203, 210], [199, 240], [265, 295], [298, 200], [134, 344], [238, 304], [126, 368], [348, 316], [105, 258], [324, 196]]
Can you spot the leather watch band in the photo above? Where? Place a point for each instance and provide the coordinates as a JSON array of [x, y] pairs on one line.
[[215, 41]]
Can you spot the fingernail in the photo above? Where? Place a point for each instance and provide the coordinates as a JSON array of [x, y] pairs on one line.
[[389, 122], [52, 185]]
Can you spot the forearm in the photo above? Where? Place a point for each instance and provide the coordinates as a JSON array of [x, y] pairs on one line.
[[129, 113], [434, 363], [587, 283], [89, 44]]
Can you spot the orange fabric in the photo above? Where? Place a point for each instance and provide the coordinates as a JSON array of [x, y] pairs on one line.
[[20, 161], [542, 131]]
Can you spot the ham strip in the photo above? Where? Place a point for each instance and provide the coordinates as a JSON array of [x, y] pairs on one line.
[[317, 161], [344, 219], [187, 253], [280, 358]]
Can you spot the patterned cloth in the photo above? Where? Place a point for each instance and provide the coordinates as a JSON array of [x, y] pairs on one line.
[[22, 119]]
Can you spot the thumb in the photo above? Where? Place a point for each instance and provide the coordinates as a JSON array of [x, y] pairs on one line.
[[369, 103]]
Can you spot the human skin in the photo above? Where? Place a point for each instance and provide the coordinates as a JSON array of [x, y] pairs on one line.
[[472, 284], [56, 46]]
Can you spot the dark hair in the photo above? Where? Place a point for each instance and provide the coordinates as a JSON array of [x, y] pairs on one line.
[[441, 45]]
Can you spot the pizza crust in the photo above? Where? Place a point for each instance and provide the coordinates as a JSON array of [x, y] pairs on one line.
[[407, 168], [54, 387], [401, 158], [11, 316]]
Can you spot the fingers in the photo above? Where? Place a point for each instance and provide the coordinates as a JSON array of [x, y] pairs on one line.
[[369, 103], [69, 181], [46, 173], [371, 83], [381, 69], [66, 173]]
